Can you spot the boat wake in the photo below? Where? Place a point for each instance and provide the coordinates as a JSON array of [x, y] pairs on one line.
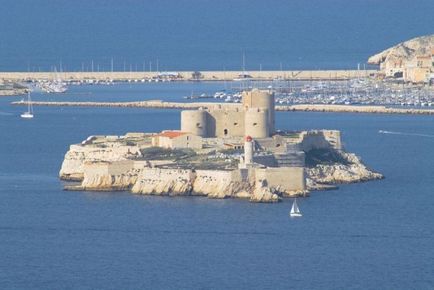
[[405, 134]]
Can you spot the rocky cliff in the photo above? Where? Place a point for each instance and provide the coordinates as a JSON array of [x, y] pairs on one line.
[[176, 182], [352, 170], [72, 166], [405, 50]]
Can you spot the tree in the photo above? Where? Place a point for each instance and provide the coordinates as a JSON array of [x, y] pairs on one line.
[[197, 75]]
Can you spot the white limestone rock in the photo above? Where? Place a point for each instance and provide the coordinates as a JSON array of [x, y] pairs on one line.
[[73, 163], [108, 182], [155, 181], [337, 173], [405, 50], [218, 184], [265, 194]]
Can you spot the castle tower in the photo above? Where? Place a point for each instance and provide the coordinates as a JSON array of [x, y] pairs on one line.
[[194, 122], [256, 123], [263, 100]]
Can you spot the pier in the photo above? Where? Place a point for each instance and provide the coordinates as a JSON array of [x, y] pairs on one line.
[[157, 104], [190, 75]]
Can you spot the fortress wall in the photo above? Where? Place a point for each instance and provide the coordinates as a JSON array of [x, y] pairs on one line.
[[230, 120], [266, 160], [277, 144], [95, 168], [288, 179], [313, 140], [334, 138], [120, 167]]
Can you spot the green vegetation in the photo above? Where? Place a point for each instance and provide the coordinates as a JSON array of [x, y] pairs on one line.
[[230, 151], [324, 156], [158, 153], [207, 164]]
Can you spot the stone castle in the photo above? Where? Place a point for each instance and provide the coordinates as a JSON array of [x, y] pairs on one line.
[[255, 118], [262, 163]]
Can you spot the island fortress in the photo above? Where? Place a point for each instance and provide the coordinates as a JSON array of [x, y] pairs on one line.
[[222, 151]]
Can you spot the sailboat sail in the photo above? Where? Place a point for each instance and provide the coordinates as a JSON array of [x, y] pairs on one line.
[[29, 113], [295, 211]]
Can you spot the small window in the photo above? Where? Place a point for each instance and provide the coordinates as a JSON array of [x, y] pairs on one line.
[[235, 124], [198, 125], [225, 131], [277, 145], [255, 124], [188, 138]]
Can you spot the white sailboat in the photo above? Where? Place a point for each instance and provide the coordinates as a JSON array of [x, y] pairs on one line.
[[29, 113], [295, 211]]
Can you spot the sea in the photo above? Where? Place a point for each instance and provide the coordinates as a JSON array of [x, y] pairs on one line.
[[373, 235], [170, 35]]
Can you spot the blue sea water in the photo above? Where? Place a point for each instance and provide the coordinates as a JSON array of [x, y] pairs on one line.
[[374, 235], [204, 34]]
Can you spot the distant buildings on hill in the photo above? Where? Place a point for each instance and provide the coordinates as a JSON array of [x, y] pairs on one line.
[[412, 61]]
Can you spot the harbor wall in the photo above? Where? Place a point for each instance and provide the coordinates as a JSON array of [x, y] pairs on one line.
[[158, 104], [187, 75]]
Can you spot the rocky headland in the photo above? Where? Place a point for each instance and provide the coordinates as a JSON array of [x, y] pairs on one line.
[[405, 51]]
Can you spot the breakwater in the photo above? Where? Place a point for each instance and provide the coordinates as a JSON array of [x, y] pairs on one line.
[[157, 104], [188, 75]]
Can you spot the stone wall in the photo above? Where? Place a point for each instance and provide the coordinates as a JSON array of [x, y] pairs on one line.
[[321, 139], [224, 123], [286, 179]]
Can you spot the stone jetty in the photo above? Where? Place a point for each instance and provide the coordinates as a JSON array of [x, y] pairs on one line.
[[158, 104], [190, 75]]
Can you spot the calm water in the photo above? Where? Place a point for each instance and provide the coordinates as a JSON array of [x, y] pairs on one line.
[[204, 34], [375, 235]]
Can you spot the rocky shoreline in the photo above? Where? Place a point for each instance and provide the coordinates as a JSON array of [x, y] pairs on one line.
[[114, 166], [326, 177]]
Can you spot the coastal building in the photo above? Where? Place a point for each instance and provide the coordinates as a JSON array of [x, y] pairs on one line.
[[177, 140], [418, 69], [412, 61]]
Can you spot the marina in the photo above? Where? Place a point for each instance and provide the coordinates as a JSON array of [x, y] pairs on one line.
[[354, 96]]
